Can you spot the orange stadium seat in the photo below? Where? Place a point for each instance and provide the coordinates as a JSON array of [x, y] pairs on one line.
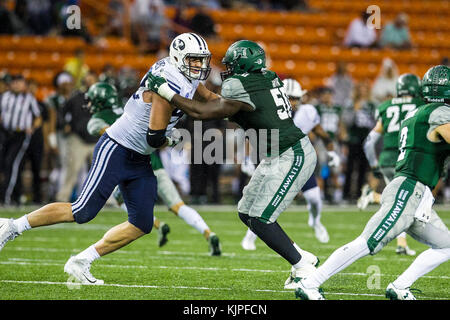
[[305, 45]]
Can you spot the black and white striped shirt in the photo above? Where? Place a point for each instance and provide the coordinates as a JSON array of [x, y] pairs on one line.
[[18, 110]]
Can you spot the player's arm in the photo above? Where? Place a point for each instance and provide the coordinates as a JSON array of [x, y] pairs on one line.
[[333, 158], [203, 94], [160, 114], [217, 108], [214, 109], [51, 137], [97, 127], [443, 131], [322, 134], [370, 143]]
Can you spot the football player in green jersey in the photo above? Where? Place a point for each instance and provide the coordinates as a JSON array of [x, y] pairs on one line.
[[103, 103], [389, 116], [255, 99], [406, 202], [331, 121]]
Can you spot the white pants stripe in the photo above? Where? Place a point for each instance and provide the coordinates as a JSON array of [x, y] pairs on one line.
[[95, 165], [97, 176], [15, 169]]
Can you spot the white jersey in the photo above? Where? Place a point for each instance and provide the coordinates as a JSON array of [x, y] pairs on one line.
[[130, 130], [306, 118]]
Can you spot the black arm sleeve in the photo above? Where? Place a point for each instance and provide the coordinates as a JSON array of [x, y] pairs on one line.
[[156, 138]]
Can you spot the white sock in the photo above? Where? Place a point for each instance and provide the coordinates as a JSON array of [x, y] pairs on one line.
[[22, 224], [299, 264], [424, 263], [340, 259], [192, 218], [250, 236], [401, 235], [90, 254], [302, 261], [314, 201]]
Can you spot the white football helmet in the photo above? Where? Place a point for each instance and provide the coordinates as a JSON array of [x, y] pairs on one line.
[[293, 88], [190, 46]]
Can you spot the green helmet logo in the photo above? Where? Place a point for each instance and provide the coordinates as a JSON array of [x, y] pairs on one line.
[[408, 84], [101, 96], [243, 56], [436, 84]]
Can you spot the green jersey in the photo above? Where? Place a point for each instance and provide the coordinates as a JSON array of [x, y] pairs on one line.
[[391, 113], [330, 116], [419, 158], [107, 117], [264, 91]]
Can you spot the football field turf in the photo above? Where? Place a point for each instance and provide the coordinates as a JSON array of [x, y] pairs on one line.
[[31, 266]]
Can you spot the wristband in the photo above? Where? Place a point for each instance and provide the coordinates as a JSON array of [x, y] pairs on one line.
[[166, 92]]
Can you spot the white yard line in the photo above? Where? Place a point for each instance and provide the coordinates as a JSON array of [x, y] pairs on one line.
[[198, 288], [50, 262]]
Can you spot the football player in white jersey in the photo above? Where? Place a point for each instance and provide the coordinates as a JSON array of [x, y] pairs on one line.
[[122, 157], [307, 119]]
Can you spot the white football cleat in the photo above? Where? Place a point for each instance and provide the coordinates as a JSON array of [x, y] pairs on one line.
[[299, 273], [308, 256], [365, 198], [307, 293], [394, 293], [321, 233], [405, 250], [248, 244], [8, 231], [80, 270]]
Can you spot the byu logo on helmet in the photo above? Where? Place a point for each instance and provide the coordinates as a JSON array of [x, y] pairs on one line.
[[190, 54], [178, 44]]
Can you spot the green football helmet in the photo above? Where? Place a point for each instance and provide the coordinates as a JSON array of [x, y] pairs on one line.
[[408, 84], [436, 84], [101, 96], [243, 56]]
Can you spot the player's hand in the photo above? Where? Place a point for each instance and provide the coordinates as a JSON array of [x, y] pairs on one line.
[[377, 173], [174, 138], [333, 159], [159, 85], [248, 167]]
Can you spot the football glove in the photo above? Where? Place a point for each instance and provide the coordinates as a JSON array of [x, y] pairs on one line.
[[248, 167], [160, 86], [174, 138], [333, 159], [377, 173]]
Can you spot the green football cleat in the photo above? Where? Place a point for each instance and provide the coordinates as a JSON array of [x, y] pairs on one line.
[[394, 293], [214, 245], [303, 293], [163, 230]]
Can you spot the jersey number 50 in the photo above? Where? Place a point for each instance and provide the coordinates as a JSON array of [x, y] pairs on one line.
[[281, 100]]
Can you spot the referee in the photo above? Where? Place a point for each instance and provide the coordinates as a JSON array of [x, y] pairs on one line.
[[19, 117]]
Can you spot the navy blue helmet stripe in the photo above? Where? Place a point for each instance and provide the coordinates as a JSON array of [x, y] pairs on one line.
[[204, 42], [198, 41]]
